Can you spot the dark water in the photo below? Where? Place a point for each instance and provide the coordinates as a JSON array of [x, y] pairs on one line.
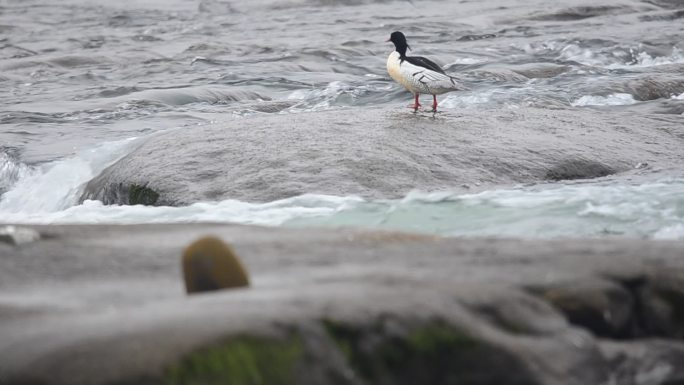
[[77, 74]]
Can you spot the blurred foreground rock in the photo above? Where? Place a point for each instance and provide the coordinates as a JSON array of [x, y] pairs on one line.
[[107, 305]]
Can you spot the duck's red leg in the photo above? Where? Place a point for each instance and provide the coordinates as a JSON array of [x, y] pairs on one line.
[[434, 103], [415, 105]]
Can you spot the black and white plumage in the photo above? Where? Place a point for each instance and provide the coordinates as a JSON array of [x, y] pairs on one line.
[[418, 74]]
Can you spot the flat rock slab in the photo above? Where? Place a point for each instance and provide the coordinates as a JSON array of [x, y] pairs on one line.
[[106, 305], [380, 153]]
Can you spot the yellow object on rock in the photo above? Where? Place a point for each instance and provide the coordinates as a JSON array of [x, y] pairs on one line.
[[210, 264]]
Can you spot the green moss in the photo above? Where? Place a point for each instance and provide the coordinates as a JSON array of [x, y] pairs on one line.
[[343, 335], [433, 353], [674, 324], [422, 352], [242, 360], [434, 337], [141, 195]]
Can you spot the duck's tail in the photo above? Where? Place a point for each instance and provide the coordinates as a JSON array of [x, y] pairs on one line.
[[456, 85]]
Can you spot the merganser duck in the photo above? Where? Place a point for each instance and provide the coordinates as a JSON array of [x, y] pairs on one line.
[[418, 74]]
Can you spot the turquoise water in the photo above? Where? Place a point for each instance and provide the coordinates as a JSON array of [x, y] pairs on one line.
[[653, 209]]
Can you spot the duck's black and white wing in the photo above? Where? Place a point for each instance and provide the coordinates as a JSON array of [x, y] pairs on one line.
[[426, 75]]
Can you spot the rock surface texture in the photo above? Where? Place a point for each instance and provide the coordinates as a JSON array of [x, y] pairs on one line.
[[379, 153], [106, 305]]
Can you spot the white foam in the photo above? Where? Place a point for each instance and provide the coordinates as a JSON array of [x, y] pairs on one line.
[[472, 98], [465, 61], [642, 59], [510, 98], [335, 93], [11, 171], [228, 211], [678, 97], [673, 232], [588, 209], [466, 100], [616, 59], [573, 52], [55, 186], [319, 98], [617, 99]]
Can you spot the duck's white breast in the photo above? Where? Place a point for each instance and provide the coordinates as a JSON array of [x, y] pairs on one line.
[[401, 73]]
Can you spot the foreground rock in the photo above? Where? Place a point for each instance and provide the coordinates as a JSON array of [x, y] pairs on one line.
[[379, 153], [106, 305]]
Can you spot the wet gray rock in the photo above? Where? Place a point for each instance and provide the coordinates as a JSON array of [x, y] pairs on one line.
[[378, 153], [578, 169], [661, 299], [642, 87], [655, 87], [579, 13], [605, 308], [105, 304], [647, 362], [670, 15], [667, 4]]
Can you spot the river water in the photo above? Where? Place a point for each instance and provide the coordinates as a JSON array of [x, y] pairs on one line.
[[82, 80]]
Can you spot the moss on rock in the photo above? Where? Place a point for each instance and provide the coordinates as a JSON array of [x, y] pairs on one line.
[[243, 360], [662, 305], [433, 353], [141, 195], [578, 169], [603, 307]]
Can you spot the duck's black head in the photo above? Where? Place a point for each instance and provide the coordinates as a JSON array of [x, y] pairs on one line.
[[400, 43]]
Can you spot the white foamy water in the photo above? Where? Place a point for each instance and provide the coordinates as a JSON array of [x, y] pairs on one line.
[[652, 210], [648, 210], [11, 171], [56, 185], [228, 211], [465, 61], [479, 99], [643, 59], [334, 94], [617, 99], [617, 59]]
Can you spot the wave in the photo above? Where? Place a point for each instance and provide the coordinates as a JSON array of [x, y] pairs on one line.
[[55, 186], [618, 99], [340, 94], [654, 210], [183, 96], [619, 59], [666, 16], [580, 13], [595, 209], [228, 211], [11, 170], [602, 53]]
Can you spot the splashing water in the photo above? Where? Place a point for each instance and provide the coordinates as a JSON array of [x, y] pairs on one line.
[[618, 99], [55, 186], [11, 171], [653, 210]]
